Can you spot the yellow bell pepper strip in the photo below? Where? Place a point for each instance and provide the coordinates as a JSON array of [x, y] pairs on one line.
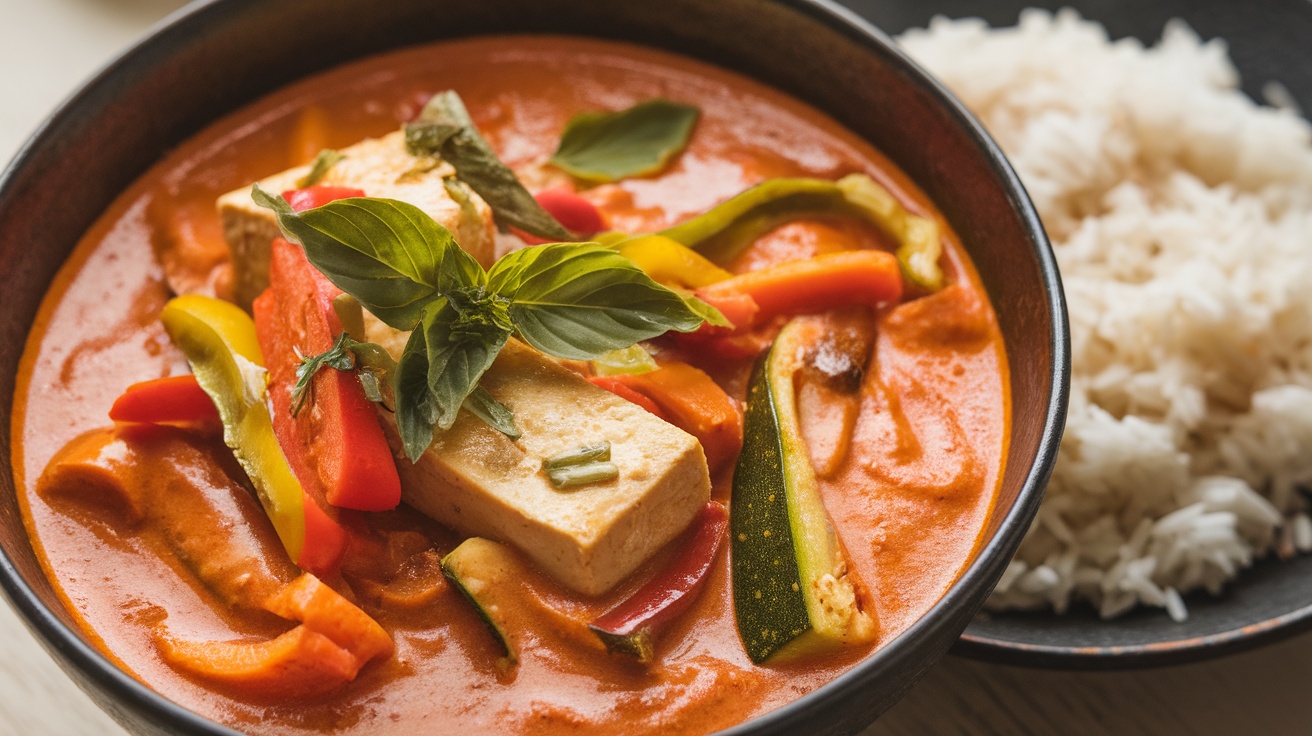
[[218, 339], [724, 230], [672, 263]]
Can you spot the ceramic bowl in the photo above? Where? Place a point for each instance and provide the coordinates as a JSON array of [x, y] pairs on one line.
[[214, 57]]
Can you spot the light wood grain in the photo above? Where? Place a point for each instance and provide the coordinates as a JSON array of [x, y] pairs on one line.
[[49, 46]]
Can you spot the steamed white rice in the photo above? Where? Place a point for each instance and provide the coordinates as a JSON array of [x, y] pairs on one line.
[[1181, 215]]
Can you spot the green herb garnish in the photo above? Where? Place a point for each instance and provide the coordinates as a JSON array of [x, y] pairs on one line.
[[581, 466], [374, 365], [570, 300], [444, 129], [581, 475], [323, 161], [578, 456], [604, 147]]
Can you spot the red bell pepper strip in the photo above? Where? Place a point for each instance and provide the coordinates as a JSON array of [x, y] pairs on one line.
[[632, 626], [574, 213], [615, 385], [170, 400], [337, 432], [318, 196], [737, 307], [325, 539]]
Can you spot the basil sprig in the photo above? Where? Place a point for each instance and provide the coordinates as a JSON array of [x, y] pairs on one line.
[[571, 300], [605, 147], [444, 129]]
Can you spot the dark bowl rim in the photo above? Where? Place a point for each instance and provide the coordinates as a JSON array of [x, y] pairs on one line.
[[982, 573], [1165, 653]]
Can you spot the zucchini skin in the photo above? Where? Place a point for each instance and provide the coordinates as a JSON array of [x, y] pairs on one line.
[[791, 587], [479, 557], [768, 604]]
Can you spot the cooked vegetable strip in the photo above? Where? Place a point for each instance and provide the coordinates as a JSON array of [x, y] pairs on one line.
[[615, 384], [322, 609], [632, 627], [633, 359], [638, 141], [690, 400], [334, 641], [727, 228], [169, 400], [307, 198], [852, 278], [672, 263], [575, 213], [340, 441], [444, 129], [299, 663], [791, 586], [219, 342], [482, 571]]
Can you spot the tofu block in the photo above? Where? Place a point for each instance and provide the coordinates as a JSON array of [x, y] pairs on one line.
[[478, 482], [382, 167]]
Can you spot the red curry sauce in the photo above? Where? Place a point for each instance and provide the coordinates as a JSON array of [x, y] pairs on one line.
[[909, 503]]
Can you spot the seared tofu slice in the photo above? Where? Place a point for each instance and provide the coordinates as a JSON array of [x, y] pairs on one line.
[[382, 167], [478, 482]]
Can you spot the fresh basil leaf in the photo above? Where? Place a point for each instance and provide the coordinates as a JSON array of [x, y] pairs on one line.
[[580, 301], [494, 413], [389, 255], [445, 129], [462, 341], [605, 147], [323, 162], [416, 410]]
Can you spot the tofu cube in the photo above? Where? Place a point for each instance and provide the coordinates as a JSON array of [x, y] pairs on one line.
[[382, 167], [478, 482]]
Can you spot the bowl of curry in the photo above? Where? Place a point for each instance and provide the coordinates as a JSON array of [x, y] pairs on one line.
[[515, 367]]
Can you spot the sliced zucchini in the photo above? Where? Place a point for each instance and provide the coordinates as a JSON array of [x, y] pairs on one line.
[[791, 588], [485, 573]]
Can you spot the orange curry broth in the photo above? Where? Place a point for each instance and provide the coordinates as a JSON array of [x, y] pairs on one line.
[[909, 504]]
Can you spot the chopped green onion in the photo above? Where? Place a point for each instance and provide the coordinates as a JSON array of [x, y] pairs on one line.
[[572, 476], [580, 456]]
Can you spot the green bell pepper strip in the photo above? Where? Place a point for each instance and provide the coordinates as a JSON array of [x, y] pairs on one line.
[[218, 339], [724, 230]]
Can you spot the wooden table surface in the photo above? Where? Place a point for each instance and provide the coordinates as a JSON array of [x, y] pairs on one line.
[[47, 47]]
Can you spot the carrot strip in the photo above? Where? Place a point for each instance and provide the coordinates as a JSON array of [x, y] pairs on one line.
[[327, 650], [324, 610], [851, 278], [299, 663]]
